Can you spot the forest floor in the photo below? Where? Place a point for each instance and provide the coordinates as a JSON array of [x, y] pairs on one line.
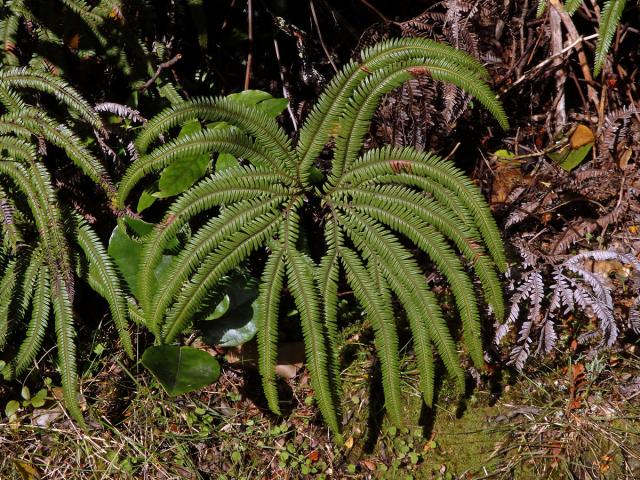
[[578, 420], [563, 183]]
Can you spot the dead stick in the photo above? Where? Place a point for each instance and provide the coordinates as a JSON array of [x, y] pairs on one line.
[[247, 73], [324, 47], [560, 74], [582, 58], [168, 64]]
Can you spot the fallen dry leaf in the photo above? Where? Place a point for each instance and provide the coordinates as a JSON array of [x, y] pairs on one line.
[[368, 464], [581, 136], [44, 418], [506, 178]]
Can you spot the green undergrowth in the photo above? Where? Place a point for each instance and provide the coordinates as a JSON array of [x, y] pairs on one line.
[[551, 424]]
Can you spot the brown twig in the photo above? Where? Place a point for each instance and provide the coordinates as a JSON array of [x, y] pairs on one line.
[[168, 64], [324, 47], [376, 11], [285, 90], [560, 74], [247, 74], [582, 58]]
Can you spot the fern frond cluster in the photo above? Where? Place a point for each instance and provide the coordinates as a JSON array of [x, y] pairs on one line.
[[44, 244], [372, 208], [114, 38]]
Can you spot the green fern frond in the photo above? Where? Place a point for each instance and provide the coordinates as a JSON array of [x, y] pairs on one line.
[[8, 32], [28, 78], [434, 245], [402, 270], [37, 325], [354, 123], [17, 148], [468, 242], [572, 6], [102, 267], [226, 187], [386, 340], [228, 256], [387, 274], [8, 282], [11, 100], [29, 277], [36, 186], [256, 123], [388, 160], [267, 324], [305, 294], [324, 119], [207, 240], [327, 276], [204, 141], [82, 9], [59, 135], [65, 334], [542, 7], [611, 14], [9, 232], [421, 341]]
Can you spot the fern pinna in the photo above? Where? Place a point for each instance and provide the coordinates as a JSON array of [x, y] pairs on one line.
[[372, 207], [44, 245]]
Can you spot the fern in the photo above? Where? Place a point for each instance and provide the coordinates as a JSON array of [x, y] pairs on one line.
[[609, 21], [611, 14], [40, 236], [577, 286], [371, 206]]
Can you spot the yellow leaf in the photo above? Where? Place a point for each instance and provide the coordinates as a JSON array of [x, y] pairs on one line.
[[581, 137]]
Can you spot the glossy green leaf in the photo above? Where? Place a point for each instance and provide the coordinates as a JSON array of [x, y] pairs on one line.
[[273, 106], [139, 227], [220, 309], [181, 369], [25, 393], [569, 158], [126, 253], [250, 97], [502, 153], [11, 408], [232, 323], [184, 171], [146, 200], [576, 157], [39, 398], [225, 160], [262, 100]]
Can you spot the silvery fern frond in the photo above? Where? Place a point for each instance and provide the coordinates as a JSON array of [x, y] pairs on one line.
[[575, 285]]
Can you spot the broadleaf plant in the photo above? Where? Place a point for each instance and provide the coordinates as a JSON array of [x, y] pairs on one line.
[[371, 207]]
